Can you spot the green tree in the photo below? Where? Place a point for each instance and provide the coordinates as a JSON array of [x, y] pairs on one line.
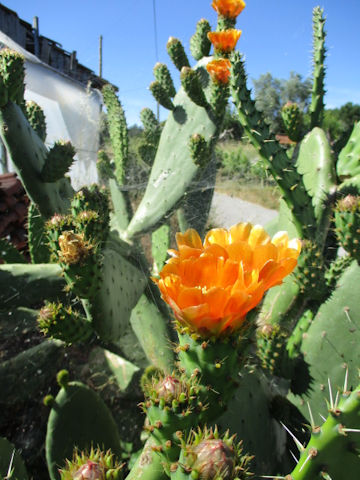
[[339, 122], [272, 93]]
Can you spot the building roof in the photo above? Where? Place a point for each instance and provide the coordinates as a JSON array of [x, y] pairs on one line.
[[47, 50]]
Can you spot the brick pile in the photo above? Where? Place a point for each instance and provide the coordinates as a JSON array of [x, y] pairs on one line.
[[13, 211]]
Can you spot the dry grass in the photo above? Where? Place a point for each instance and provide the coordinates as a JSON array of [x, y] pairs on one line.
[[265, 195]]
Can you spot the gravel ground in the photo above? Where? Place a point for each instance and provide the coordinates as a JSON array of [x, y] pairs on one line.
[[227, 211]]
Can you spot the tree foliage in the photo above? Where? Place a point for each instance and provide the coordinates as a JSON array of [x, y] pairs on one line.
[[272, 93], [339, 122]]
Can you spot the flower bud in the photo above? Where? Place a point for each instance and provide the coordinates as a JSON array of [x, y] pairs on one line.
[[214, 459]]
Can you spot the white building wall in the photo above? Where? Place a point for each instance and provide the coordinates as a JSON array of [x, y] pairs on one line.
[[72, 112]]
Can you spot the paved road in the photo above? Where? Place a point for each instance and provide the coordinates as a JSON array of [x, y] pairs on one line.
[[227, 211]]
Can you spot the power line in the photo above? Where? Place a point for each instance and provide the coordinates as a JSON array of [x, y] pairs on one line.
[[156, 53]]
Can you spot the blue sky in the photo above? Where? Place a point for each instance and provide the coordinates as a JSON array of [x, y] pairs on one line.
[[277, 38]]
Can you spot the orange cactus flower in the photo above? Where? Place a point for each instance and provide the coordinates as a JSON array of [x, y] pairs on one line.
[[219, 70], [211, 286], [226, 40], [229, 8]]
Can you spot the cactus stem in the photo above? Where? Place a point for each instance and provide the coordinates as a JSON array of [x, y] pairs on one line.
[[312, 453], [298, 443]]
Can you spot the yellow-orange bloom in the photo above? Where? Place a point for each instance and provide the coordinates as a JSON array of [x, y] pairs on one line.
[[229, 8], [219, 70], [226, 40], [211, 286]]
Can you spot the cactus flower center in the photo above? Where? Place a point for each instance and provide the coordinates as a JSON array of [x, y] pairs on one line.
[[73, 247], [212, 285]]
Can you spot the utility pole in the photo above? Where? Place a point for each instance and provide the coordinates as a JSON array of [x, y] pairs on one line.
[[100, 55]]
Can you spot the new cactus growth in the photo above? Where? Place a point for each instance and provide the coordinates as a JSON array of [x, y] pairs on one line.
[[293, 121], [205, 455], [199, 43], [347, 221], [92, 465]]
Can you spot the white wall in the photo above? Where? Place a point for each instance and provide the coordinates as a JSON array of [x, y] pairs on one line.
[[72, 112]]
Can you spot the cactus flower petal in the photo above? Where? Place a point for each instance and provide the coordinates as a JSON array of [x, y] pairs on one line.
[[229, 8], [212, 285], [226, 40], [219, 70]]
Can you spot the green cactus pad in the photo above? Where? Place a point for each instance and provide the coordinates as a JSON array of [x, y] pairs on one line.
[[152, 331], [348, 164], [254, 395], [333, 450], [9, 253], [118, 131], [28, 155], [326, 351], [315, 164], [72, 423], [28, 285], [119, 217], [29, 372], [173, 168], [160, 243], [38, 242], [149, 465], [9, 457], [119, 288]]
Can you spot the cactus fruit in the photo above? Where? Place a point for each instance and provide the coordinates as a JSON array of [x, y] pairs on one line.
[[161, 95], [347, 222], [104, 168], [162, 75], [192, 86], [310, 271], [92, 465], [172, 406], [57, 321], [36, 118], [13, 75], [177, 53], [117, 131], [271, 350], [207, 456], [293, 121], [199, 43]]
